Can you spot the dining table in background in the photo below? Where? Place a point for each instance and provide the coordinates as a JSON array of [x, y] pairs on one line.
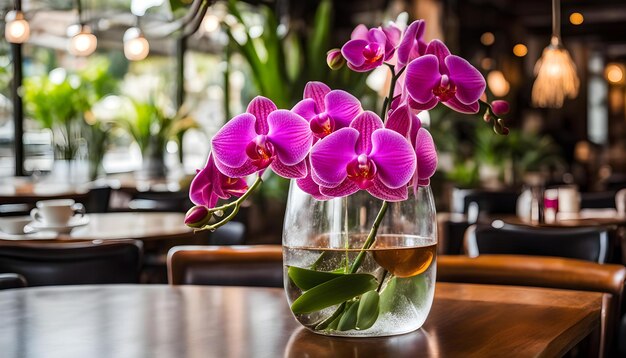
[[145, 226], [214, 321]]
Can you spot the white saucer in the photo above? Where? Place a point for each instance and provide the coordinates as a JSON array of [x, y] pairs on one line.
[[38, 226]]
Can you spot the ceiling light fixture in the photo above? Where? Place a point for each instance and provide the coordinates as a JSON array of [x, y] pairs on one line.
[[136, 47], [555, 70], [82, 41]]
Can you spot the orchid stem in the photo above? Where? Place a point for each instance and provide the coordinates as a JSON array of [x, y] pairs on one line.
[[370, 238], [235, 205]]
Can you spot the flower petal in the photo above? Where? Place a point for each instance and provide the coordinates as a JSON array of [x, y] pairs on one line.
[[290, 171], [377, 35], [305, 109], [347, 187], [400, 120], [331, 155], [307, 184], [241, 171], [366, 123], [353, 51], [316, 91], [426, 154], [201, 186], [456, 105], [342, 107], [291, 136], [382, 192], [470, 84], [260, 107], [393, 34], [394, 158], [439, 49], [423, 106], [422, 74], [412, 33], [359, 32], [229, 144]]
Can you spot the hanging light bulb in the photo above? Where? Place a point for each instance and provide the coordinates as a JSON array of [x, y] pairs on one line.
[[82, 41], [497, 83], [17, 29], [555, 70], [136, 47]]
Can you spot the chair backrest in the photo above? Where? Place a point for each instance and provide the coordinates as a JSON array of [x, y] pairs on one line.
[[492, 202], [12, 280], [451, 229], [63, 262], [98, 199], [260, 265], [590, 244], [547, 272], [232, 233], [598, 200]]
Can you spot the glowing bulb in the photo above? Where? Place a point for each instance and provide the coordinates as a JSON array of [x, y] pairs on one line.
[[83, 42], [520, 50], [498, 85], [576, 18], [614, 73], [211, 23], [488, 38], [136, 47], [17, 29]]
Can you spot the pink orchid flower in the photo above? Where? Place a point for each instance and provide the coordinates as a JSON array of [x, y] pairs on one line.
[[310, 187], [326, 110], [264, 137], [426, 154], [438, 76], [412, 45], [209, 185], [367, 49], [363, 156]]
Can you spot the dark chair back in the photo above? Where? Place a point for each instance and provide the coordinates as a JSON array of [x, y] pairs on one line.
[[161, 201], [63, 262], [492, 202], [590, 244], [598, 200], [260, 265], [451, 228], [12, 280], [98, 199], [232, 233], [547, 272]]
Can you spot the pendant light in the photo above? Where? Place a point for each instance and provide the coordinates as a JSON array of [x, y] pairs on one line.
[[136, 47], [82, 41], [555, 70], [17, 29]]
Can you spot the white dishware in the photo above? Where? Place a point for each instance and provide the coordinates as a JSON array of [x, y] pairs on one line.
[[14, 225], [74, 222], [569, 199], [56, 212]]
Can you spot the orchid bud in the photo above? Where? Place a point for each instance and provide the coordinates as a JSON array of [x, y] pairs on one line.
[[335, 59], [198, 216], [500, 107]]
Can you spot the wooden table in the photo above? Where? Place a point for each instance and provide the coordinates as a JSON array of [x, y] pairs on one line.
[[131, 225], [584, 219], [194, 321], [27, 192]]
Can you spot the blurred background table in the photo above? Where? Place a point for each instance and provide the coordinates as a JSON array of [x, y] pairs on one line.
[[178, 321]]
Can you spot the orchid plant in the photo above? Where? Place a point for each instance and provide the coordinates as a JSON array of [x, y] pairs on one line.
[[332, 147]]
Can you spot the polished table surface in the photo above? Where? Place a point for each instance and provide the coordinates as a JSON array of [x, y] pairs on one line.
[[130, 225], [194, 321]]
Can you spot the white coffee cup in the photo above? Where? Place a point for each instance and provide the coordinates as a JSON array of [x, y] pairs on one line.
[[56, 212], [14, 225]]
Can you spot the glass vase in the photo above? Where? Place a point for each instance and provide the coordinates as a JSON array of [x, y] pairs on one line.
[[344, 278]]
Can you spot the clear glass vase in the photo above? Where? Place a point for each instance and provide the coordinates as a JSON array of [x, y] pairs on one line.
[[335, 287]]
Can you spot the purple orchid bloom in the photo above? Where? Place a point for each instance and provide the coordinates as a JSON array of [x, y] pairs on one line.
[[209, 185], [438, 76], [310, 187], [426, 154], [412, 45], [364, 156], [326, 110], [367, 49], [263, 137]]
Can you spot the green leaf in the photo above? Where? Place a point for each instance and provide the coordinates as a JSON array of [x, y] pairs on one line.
[[368, 310], [348, 319], [307, 279], [334, 292]]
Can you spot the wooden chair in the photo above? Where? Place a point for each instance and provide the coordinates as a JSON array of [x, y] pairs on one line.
[[550, 272], [65, 262], [11, 280], [260, 265], [590, 244]]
